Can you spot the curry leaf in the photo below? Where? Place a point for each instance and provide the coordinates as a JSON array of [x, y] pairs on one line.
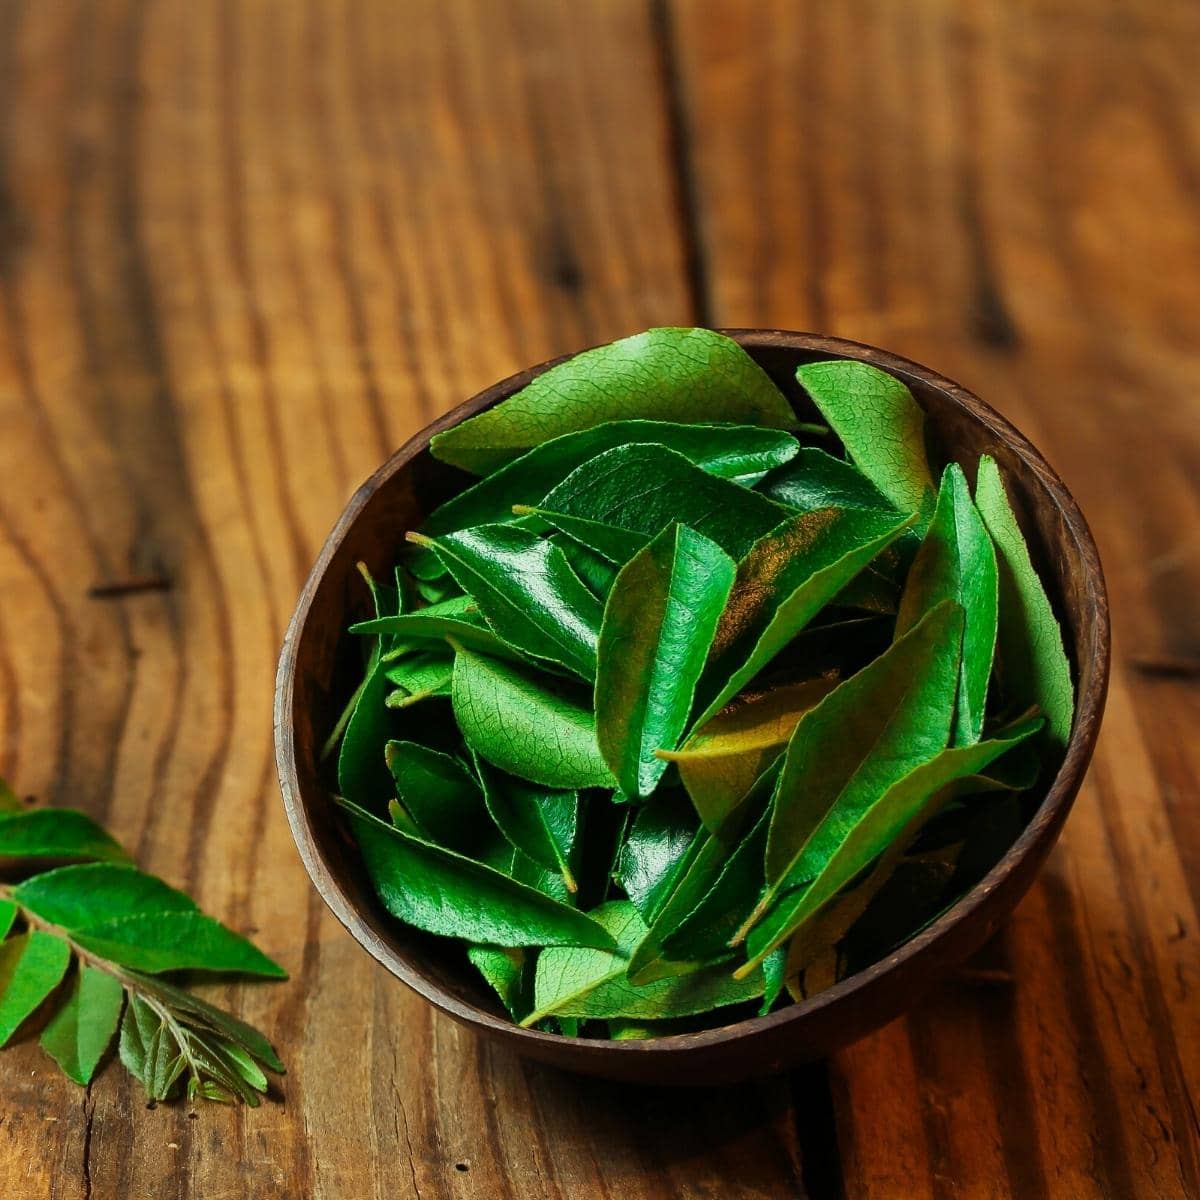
[[442, 892], [720, 761], [880, 424], [864, 736], [956, 562], [127, 917], [527, 592], [705, 932], [56, 833], [516, 724], [506, 968], [579, 982], [788, 576], [743, 453], [543, 824], [1034, 664], [457, 618], [659, 620], [687, 375], [641, 489], [845, 843], [654, 850], [82, 1029], [31, 967], [419, 677], [814, 479], [362, 772], [439, 794]]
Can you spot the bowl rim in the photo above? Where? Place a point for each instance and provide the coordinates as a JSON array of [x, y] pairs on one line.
[[1051, 812]]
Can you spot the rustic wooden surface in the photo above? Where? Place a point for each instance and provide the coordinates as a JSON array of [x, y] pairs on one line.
[[227, 232]]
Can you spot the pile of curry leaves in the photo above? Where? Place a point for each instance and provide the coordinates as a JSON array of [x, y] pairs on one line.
[[92, 944], [669, 714]]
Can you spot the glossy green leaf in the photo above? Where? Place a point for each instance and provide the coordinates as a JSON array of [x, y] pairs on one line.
[[8, 914], [419, 677], [705, 932], [440, 794], [611, 543], [506, 970], [654, 850], [442, 892], [127, 917], [362, 773], [56, 833], [687, 375], [814, 479], [458, 619], [527, 592], [956, 562], [864, 736], [742, 453], [81, 1030], [156, 942], [71, 896], [658, 623], [847, 841], [542, 823], [594, 569], [879, 423], [504, 857], [31, 967], [520, 726], [1033, 663], [578, 982], [785, 580], [719, 763], [698, 873], [641, 489]]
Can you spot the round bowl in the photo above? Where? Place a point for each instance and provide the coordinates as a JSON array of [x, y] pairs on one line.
[[313, 685]]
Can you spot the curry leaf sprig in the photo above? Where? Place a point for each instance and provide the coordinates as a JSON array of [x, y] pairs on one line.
[[90, 945], [669, 717]]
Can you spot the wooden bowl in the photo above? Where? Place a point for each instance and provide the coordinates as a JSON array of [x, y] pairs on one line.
[[313, 685]]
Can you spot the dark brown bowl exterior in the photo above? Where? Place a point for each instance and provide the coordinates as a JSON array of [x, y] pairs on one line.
[[310, 691]]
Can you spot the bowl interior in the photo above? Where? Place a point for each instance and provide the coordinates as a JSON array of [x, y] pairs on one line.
[[317, 669]]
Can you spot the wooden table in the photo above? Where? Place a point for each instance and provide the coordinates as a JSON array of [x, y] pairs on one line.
[[247, 248]]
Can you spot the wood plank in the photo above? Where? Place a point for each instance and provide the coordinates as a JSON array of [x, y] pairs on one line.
[[247, 249], [950, 182]]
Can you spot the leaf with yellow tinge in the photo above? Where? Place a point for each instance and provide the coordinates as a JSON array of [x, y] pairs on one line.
[[788, 576], [720, 762]]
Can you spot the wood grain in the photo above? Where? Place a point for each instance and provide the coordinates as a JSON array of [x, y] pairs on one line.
[[226, 231], [956, 182]]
